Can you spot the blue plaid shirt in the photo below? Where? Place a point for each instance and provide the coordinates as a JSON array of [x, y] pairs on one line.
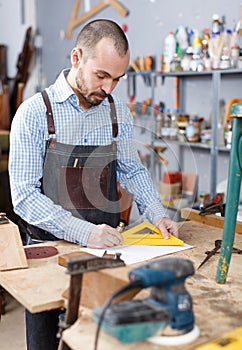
[[74, 126]]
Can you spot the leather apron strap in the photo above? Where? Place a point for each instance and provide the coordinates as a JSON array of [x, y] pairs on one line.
[[50, 118], [49, 113], [113, 116]]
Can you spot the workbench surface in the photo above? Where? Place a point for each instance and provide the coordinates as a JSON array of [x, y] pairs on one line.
[[40, 286], [217, 307]]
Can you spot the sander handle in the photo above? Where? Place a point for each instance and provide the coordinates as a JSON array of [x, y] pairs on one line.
[[149, 277]]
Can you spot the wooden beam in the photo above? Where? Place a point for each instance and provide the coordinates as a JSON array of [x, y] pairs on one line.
[[211, 220], [118, 7], [75, 20], [74, 14]]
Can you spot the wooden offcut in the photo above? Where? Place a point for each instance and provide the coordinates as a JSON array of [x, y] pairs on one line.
[[12, 255], [211, 219], [102, 283]]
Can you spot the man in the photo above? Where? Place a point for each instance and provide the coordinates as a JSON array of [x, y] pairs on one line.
[[55, 157]]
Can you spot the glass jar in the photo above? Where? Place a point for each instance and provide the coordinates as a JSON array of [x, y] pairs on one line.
[[175, 65], [193, 130], [197, 64], [234, 56], [186, 62]]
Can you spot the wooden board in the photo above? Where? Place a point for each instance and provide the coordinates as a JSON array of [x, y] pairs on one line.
[[40, 287], [211, 220], [12, 255], [96, 282]]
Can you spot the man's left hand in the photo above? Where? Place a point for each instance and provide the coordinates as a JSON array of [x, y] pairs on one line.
[[167, 227]]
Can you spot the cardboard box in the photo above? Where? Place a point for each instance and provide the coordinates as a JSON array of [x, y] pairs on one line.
[[167, 189], [172, 177]]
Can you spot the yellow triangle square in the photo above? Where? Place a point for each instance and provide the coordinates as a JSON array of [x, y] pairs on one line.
[[148, 234]]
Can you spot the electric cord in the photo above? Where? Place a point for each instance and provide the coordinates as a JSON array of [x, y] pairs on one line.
[[131, 285]]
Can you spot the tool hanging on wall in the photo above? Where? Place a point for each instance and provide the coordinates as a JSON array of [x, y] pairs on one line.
[[131, 87], [76, 20], [23, 66]]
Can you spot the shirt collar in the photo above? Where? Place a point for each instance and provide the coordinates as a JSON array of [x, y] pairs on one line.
[[63, 91]]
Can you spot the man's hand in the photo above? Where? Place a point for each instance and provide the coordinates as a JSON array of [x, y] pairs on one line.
[[167, 226], [103, 236]]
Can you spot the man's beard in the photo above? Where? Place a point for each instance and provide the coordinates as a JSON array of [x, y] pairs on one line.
[[83, 91]]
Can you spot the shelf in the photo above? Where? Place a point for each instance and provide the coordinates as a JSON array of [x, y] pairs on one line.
[[205, 72], [216, 78], [186, 73], [192, 145]]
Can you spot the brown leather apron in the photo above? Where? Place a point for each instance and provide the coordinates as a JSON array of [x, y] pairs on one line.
[[82, 179]]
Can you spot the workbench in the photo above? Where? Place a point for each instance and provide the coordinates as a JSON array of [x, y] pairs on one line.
[[217, 307]]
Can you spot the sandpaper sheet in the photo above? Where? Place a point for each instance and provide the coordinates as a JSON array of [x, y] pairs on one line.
[[148, 234]]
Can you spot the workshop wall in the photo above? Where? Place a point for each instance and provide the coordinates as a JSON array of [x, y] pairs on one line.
[[148, 22], [147, 25], [15, 18]]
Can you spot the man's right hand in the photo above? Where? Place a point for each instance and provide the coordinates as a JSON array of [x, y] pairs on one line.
[[103, 236]]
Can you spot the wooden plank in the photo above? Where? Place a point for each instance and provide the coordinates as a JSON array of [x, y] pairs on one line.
[[44, 284], [40, 287], [62, 259], [211, 220], [97, 282], [12, 255]]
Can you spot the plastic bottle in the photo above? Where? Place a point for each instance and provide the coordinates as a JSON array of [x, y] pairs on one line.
[[181, 36], [174, 125], [159, 119], [225, 56], [196, 43], [227, 40], [234, 56], [228, 134], [165, 130], [168, 51], [200, 202], [158, 125], [216, 25]]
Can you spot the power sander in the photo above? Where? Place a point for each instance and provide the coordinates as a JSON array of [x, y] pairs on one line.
[[169, 306]]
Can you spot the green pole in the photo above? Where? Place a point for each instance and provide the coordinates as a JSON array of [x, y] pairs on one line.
[[233, 194]]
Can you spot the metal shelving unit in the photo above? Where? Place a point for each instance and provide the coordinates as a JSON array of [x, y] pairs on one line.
[[216, 79]]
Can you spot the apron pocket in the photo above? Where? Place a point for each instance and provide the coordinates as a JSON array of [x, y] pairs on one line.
[[84, 187]]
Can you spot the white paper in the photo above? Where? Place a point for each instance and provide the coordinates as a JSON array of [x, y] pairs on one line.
[[136, 253]]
